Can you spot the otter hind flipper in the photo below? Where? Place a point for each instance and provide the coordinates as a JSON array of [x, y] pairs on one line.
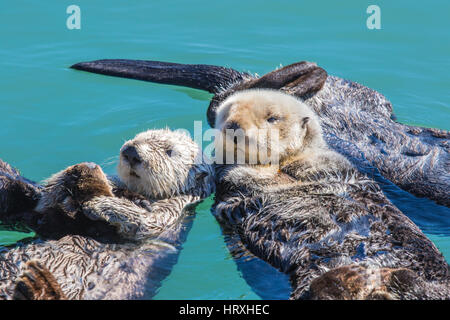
[[308, 83], [37, 283], [198, 76], [300, 78]]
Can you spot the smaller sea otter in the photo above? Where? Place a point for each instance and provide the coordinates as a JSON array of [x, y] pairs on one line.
[[105, 238], [313, 215]]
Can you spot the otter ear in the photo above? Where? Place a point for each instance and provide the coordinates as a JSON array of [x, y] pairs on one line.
[[305, 121]]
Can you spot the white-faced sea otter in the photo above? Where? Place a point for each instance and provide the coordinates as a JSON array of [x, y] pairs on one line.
[[314, 216], [100, 237]]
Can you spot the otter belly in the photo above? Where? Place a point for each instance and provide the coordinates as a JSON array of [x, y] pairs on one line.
[[308, 230]]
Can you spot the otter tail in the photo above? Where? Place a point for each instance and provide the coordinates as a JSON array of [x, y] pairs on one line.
[[299, 78], [198, 76]]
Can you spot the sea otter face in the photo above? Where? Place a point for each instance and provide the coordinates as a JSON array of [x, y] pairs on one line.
[[162, 163], [268, 126], [68, 189]]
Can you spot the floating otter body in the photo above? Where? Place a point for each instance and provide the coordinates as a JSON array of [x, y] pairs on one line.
[[356, 121], [315, 216], [105, 238]]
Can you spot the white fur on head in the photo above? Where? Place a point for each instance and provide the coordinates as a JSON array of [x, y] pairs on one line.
[[171, 164], [296, 124]]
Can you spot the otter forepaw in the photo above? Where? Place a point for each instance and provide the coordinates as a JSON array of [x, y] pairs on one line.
[[37, 283], [124, 215], [68, 189]]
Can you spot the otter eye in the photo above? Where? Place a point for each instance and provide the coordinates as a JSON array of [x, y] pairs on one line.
[[272, 119]]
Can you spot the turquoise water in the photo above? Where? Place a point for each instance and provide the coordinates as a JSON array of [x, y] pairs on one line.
[[52, 116]]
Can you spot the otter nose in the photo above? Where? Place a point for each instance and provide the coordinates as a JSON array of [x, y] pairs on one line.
[[131, 155]]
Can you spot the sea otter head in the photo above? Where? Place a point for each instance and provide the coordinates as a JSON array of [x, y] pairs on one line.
[[268, 125], [68, 189], [163, 163]]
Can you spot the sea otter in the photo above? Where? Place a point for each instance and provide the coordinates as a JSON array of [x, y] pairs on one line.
[[356, 121], [315, 216], [104, 237]]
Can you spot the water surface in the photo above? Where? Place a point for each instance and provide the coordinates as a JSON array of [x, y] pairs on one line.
[[52, 117]]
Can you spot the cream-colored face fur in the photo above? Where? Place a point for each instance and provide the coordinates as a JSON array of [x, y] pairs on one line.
[[170, 163], [276, 123]]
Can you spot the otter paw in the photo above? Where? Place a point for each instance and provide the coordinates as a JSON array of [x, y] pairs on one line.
[[68, 190], [37, 283], [355, 282]]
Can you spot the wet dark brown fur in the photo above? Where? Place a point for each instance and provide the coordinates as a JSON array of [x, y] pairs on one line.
[[308, 229], [17, 195]]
